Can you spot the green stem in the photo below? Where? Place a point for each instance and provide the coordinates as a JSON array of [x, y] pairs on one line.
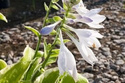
[[37, 47], [49, 53], [54, 43], [47, 14]]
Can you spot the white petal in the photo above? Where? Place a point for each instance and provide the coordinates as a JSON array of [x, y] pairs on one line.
[[86, 53], [93, 12], [66, 60], [98, 18], [93, 25]]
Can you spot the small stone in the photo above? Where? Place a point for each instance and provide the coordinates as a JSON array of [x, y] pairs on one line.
[[105, 80], [114, 77], [117, 81], [119, 41], [88, 75], [111, 82], [107, 75], [108, 54], [105, 49], [9, 62], [119, 62], [122, 69], [114, 67]]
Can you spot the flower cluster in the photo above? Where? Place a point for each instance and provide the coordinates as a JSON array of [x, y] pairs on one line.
[[86, 38]]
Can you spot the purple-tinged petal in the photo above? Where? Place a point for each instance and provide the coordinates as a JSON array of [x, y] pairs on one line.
[[82, 19], [48, 29]]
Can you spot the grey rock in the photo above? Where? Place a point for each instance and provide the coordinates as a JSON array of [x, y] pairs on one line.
[[9, 62], [117, 81], [114, 67], [108, 54], [107, 75], [15, 30], [88, 75], [111, 82], [105, 80], [105, 49], [119, 41], [120, 62], [122, 69]]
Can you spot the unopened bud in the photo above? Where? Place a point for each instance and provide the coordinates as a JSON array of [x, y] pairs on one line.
[[70, 3]]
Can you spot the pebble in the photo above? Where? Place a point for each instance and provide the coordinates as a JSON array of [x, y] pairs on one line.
[[9, 62], [120, 62], [122, 69], [88, 75]]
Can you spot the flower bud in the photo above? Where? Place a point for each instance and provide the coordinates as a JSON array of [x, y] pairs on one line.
[[70, 3]]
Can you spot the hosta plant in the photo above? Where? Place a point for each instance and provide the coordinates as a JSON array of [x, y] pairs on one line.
[[32, 67]]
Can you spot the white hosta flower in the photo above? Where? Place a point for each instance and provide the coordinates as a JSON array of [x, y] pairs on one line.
[[49, 28], [92, 14], [88, 37], [66, 61], [85, 51]]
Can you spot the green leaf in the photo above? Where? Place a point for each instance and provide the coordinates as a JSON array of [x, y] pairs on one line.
[[64, 41], [2, 64], [50, 20], [2, 17], [55, 7], [82, 79], [57, 18], [46, 7], [33, 30], [53, 56], [39, 54], [65, 7], [49, 76], [55, 1], [53, 32], [68, 79], [33, 68], [14, 73]]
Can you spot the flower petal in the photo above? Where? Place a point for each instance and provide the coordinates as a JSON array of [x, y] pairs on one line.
[[93, 12], [86, 52], [66, 61], [48, 29], [83, 19]]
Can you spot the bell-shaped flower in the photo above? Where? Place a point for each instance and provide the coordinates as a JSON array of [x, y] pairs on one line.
[[85, 51], [88, 37], [91, 14], [49, 28], [66, 61]]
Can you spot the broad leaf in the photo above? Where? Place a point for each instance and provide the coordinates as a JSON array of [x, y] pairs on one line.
[[2, 64], [49, 76], [67, 79], [55, 1], [82, 79], [2, 17], [14, 73], [46, 7], [55, 7], [33, 30], [53, 56], [57, 18]]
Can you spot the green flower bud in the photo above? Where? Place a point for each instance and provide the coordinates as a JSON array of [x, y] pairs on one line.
[[70, 3]]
